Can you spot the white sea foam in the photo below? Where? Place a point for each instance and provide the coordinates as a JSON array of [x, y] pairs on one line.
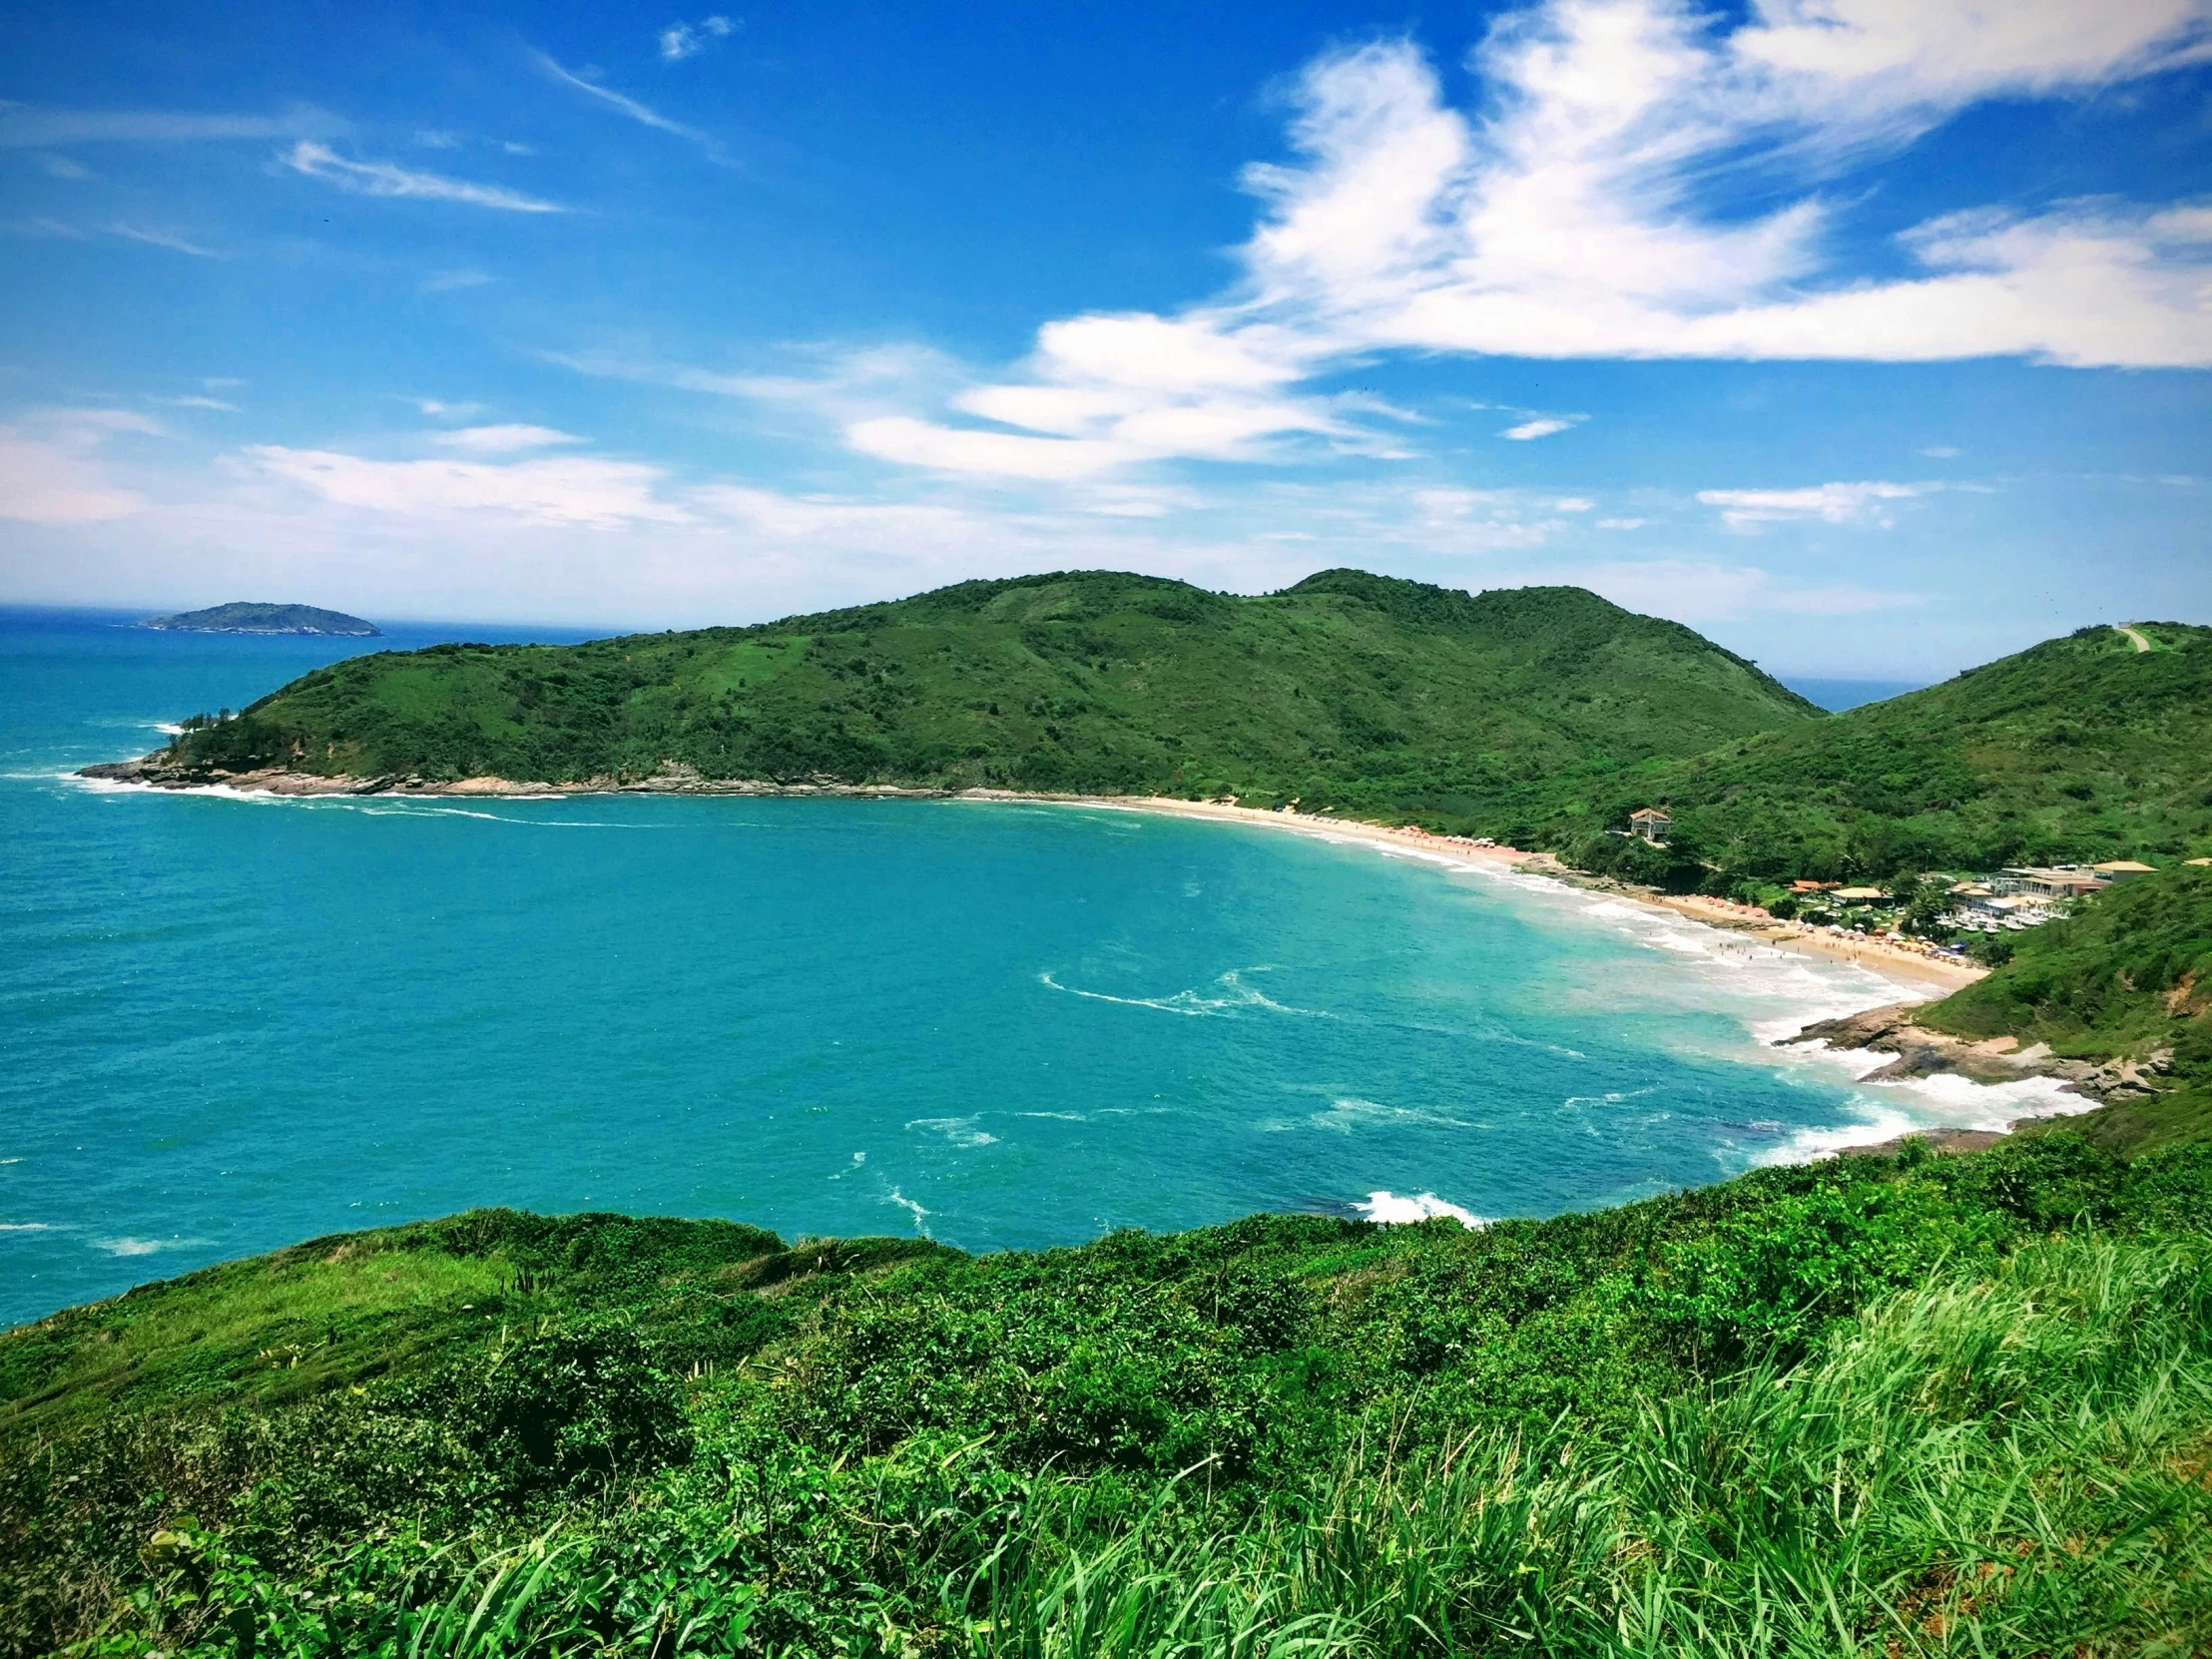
[[959, 1131], [26, 1227], [922, 1216], [1346, 1117], [142, 1247], [1391, 1209], [1235, 996]]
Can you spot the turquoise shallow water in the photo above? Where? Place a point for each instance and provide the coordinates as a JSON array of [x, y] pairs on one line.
[[229, 1024]]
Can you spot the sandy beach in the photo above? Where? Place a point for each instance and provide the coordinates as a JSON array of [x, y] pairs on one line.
[[1898, 964], [1909, 968]]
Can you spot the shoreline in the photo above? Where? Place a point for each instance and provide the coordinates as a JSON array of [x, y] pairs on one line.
[[1878, 956], [1907, 970]]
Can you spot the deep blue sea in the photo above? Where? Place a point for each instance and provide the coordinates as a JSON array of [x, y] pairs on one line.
[[228, 1025]]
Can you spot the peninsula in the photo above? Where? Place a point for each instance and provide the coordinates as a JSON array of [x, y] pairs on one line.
[[241, 617]]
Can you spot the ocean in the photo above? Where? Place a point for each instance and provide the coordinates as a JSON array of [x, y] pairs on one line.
[[230, 1024]]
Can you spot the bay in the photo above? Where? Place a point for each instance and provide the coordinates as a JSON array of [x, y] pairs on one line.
[[229, 1024]]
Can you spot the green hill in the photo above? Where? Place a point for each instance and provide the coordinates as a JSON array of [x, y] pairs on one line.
[[1351, 692], [2130, 978], [1926, 1406], [241, 617], [2082, 747]]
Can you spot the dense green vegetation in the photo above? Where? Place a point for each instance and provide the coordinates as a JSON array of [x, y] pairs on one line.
[[243, 617], [1541, 716], [2130, 978], [2077, 748], [1349, 692], [1921, 1405]]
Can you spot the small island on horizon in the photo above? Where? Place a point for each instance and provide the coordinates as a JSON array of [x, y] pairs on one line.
[[245, 617]]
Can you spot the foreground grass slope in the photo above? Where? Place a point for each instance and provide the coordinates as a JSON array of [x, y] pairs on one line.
[[1349, 691], [1923, 1405], [2080, 748]]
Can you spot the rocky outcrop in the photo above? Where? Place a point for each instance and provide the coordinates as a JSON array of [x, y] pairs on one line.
[[1920, 1052], [673, 777]]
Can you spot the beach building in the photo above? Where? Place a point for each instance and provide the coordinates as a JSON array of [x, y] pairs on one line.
[[1975, 906], [2048, 881], [1801, 887], [1649, 823], [2123, 869], [1860, 896]]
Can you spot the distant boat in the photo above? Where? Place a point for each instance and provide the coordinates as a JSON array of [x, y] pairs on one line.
[[241, 618]]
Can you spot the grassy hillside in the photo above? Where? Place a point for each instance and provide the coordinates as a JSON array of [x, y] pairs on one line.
[[2130, 978], [1912, 1407], [1349, 691], [2078, 747]]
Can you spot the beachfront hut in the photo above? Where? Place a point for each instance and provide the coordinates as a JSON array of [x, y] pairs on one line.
[[1649, 823]]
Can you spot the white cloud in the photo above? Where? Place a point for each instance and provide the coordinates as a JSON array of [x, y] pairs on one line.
[[1701, 593], [434, 138], [441, 408], [27, 126], [43, 226], [1567, 216], [50, 473], [685, 40], [193, 400], [1572, 504], [1541, 428], [709, 145], [569, 491], [1885, 56], [445, 281], [1622, 524], [318, 161], [162, 239], [1856, 503], [66, 166], [502, 441]]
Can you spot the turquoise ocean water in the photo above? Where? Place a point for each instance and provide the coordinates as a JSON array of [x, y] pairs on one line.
[[230, 1024]]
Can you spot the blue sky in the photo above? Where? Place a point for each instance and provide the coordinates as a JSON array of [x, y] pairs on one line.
[[1868, 336]]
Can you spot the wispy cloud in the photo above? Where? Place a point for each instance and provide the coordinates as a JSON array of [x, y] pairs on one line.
[[193, 400], [1543, 426], [710, 146], [162, 239], [50, 473], [686, 40], [575, 490], [441, 408], [502, 441], [446, 280], [318, 161], [148, 234], [66, 166], [1853, 503], [37, 127], [1567, 216]]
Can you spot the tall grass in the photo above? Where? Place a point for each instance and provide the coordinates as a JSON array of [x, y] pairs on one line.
[[2014, 1466]]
